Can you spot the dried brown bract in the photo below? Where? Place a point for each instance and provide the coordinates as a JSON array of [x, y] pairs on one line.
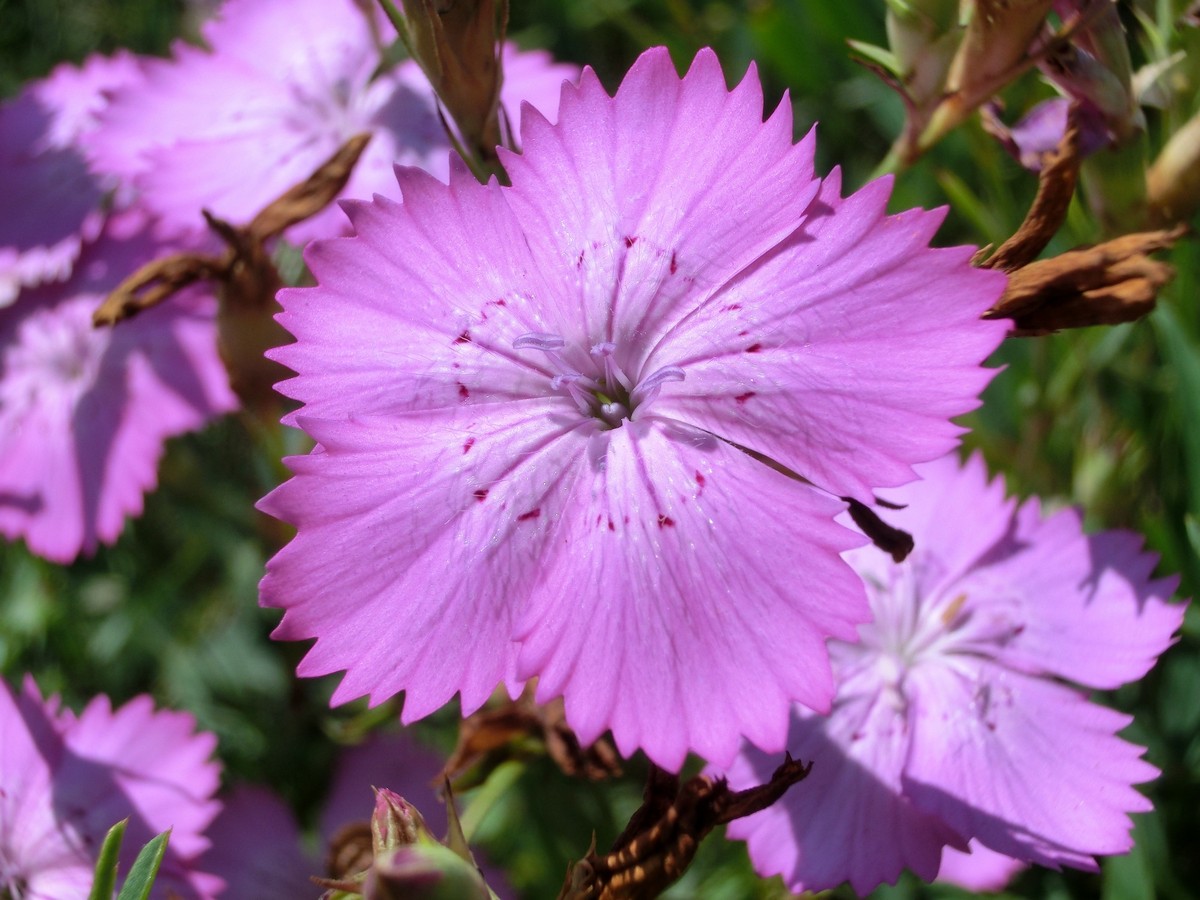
[[457, 45], [663, 835], [1107, 284], [245, 277], [1056, 186], [499, 730]]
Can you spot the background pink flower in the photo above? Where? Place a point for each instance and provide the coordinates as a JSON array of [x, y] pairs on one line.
[[955, 719], [52, 204], [532, 402], [257, 845], [84, 412], [66, 779], [285, 84]]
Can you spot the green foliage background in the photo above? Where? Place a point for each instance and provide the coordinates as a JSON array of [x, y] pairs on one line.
[[1108, 419]]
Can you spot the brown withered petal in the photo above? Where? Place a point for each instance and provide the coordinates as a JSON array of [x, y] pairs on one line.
[[495, 730], [153, 283], [350, 851], [1107, 284], [313, 194], [245, 280], [1056, 186], [664, 834], [244, 260], [457, 45]]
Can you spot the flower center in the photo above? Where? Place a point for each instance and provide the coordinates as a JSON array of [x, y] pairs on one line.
[[55, 358], [607, 394]]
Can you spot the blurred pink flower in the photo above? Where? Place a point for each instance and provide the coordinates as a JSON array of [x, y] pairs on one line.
[[532, 404], [66, 779], [84, 412], [257, 846], [1036, 136], [955, 719], [285, 84], [52, 204]]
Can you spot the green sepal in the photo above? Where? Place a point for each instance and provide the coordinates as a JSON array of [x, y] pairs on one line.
[[106, 863], [880, 56], [145, 868]]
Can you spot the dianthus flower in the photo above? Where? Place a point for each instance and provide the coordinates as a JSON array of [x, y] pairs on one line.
[[533, 405], [84, 412], [257, 846], [51, 202], [958, 716], [285, 84], [66, 779]]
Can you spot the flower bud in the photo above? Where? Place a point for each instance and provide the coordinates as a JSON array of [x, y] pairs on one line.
[[395, 823], [457, 45], [424, 871], [922, 37], [1095, 68]]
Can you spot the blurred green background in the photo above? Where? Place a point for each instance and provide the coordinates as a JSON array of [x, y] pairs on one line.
[[1107, 418]]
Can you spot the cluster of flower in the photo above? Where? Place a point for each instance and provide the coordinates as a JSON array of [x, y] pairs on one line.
[[595, 428], [66, 779], [105, 167]]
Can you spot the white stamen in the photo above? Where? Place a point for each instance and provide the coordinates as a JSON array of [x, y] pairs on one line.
[[612, 372], [648, 389], [539, 340]]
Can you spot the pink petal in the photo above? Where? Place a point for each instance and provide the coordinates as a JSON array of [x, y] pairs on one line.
[[428, 324], [665, 216], [980, 869], [452, 508], [256, 848], [642, 610], [849, 819], [932, 510], [85, 412], [821, 354], [1026, 766], [64, 781], [1088, 606]]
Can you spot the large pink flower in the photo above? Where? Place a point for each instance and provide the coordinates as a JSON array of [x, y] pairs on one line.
[[533, 404], [66, 779], [84, 412], [52, 204], [955, 718], [285, 84]]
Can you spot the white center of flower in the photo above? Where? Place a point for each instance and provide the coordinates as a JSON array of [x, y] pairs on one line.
[[54, 359], [913, 628], [606, 394]]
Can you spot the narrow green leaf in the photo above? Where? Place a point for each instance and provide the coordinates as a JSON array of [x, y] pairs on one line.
[[106, 864], [878, 55], [141, 877]]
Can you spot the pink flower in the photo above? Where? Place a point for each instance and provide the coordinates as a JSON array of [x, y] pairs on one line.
[[51, 202], [256, 841], [956, 719], [532, 404], [84, 412], [286, 83], [66, 779]]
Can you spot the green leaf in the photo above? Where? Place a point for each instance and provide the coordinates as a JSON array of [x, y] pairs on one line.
[[141, 877], [106, 863], [1129, 875], [878, 55]]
